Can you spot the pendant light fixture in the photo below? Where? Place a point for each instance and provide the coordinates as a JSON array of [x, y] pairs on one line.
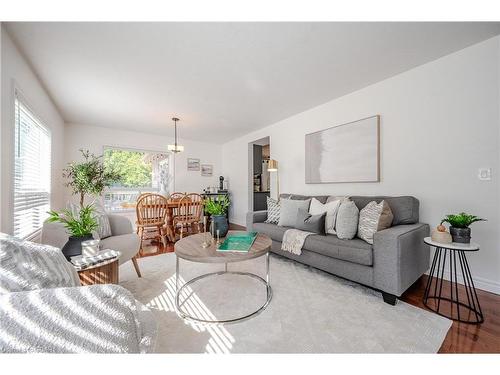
[[175, 148]]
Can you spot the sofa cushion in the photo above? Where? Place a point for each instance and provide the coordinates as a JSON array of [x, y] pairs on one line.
[[321, 198], [346, 225], [404, 209], [310, 223], [272, 230], [289, 209], [355, 250], [330, 209], [273, 211], [374, 217]]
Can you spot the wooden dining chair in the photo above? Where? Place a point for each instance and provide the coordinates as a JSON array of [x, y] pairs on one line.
[[151, 211], [189, 213]]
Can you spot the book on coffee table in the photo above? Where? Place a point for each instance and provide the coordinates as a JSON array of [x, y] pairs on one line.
[[238, 242]]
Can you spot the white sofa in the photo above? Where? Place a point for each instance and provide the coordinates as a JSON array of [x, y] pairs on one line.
[[122, 239], [43, 308]]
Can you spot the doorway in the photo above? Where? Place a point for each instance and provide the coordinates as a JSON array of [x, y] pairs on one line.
[[259, 180]]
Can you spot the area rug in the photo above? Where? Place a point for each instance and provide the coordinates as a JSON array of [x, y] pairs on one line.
[[311, 311]]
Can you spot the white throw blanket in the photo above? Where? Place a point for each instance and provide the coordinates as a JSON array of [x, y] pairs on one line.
[[293, 240], [84, 319], [44, 309]]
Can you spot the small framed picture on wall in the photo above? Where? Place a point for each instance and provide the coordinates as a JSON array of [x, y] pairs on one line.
[[193, 164], [207, 170]]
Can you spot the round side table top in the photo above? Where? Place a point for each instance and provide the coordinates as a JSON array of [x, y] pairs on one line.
[[190, 248], [453, 246], [100, 264]]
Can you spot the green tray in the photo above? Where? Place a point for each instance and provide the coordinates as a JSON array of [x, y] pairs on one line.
[[239, 242]]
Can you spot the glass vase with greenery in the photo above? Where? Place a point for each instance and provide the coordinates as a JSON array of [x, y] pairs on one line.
[[89, 176]]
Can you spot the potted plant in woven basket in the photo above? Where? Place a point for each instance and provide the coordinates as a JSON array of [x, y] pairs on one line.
[[459, 226], [217, 208]]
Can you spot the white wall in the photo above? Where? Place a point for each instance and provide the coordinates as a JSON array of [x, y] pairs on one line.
[[439, 124], [16, 72], [95, 138]]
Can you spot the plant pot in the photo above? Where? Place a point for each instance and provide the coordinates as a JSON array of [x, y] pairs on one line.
[[461, 235], [220, 223], [74, 246]]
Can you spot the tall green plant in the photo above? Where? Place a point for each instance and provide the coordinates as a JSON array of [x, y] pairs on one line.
[[89, 176], [461, 220], [217, 206], [78, 225]]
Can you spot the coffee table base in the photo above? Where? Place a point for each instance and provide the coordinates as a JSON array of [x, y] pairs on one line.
[[184, 315]]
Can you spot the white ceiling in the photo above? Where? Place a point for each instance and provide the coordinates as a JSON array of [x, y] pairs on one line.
[[222, 79]]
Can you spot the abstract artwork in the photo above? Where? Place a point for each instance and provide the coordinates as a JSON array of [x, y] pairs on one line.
[[207, 170], [193, 164], [344, 153]]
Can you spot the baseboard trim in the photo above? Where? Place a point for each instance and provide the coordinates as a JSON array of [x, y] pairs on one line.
[[479, 282]]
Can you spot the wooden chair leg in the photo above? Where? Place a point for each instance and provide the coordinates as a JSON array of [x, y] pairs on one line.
[[141, 234], [162, 236], [136, 266]]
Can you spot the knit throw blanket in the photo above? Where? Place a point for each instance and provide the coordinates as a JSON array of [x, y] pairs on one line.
[[293, 240], [27, 265]]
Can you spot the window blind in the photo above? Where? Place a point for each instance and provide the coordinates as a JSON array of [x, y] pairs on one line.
[[31, 171]]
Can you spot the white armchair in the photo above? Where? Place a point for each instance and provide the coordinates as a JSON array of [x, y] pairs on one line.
[[122, 239], [43, 308]]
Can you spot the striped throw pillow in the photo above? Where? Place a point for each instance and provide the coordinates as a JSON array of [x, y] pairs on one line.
[[273, 211]]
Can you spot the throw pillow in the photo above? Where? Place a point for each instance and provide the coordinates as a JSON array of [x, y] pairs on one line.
[[104, 228], [347, 220], [289, 209], [273, 211], [310, 223], [373, 218], [330, 208]]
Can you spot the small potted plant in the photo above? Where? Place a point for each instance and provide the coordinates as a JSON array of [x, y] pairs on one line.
[[459, 226], [217, 208], [79, 227]]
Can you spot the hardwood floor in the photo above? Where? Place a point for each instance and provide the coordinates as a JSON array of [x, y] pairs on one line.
[[461, 338]]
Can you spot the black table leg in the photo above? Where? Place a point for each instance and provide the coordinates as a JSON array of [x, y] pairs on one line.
[[436, 277]]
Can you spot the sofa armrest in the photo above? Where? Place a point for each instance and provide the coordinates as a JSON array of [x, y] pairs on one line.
[[88, 319], [120, 225], [400, 257], [255, 217]]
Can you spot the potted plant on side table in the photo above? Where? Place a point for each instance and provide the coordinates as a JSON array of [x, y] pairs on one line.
[[79, 226], [459, 226], [217, 209]]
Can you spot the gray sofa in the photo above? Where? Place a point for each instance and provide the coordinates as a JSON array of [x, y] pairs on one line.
[[397, 258]]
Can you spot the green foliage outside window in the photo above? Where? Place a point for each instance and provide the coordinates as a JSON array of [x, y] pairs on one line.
[[131, 166]]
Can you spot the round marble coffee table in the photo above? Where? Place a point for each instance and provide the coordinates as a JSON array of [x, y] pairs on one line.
[[190, 248]]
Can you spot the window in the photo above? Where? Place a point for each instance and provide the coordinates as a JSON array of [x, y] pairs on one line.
[[31, 171], [142, 171]]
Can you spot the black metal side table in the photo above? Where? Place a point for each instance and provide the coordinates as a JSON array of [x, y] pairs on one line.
[[467, 308]]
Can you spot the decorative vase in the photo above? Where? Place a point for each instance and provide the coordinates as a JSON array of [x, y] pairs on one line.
[[461, 235], [74, 246], [441, 237], [220, 223]]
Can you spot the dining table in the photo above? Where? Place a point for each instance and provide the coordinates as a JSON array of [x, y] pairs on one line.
[[171, 205]]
